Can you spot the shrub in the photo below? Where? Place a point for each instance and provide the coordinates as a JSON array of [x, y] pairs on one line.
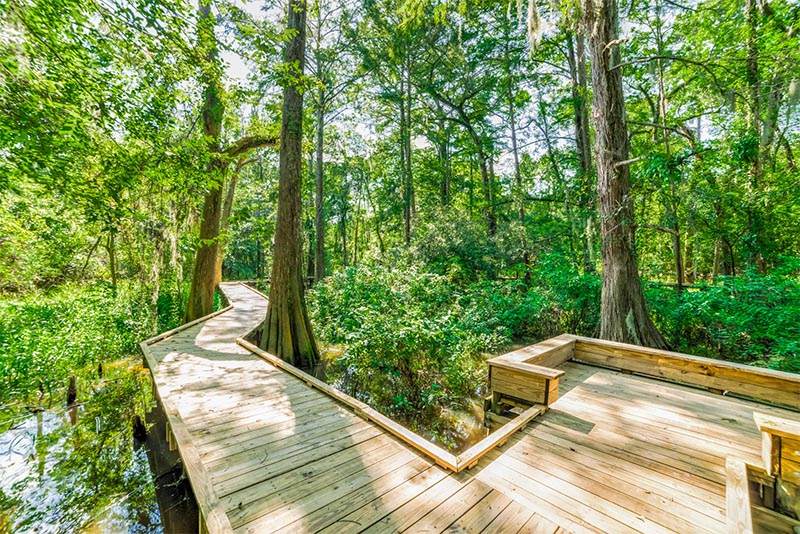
[[46, 337], [751, 319]]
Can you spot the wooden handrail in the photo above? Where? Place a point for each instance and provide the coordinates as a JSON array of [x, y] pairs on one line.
[[766, 385]]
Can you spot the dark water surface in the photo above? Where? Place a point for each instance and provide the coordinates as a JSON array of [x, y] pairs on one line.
[[81, 470]]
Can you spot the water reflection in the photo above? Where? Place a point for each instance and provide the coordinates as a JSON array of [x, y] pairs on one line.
[[80, 469]]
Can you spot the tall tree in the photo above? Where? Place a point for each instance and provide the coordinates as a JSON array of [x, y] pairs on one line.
[[624, 315], [204, 280], [286, 330]]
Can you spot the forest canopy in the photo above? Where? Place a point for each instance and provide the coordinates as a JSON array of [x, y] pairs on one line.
[[468, 171]]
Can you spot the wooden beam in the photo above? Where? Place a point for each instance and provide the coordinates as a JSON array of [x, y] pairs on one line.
[[549, 353], [737, 495], [476, 452], [763, 384], [527, 368], [777, 426]]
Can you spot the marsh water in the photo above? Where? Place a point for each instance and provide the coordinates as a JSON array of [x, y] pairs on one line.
[[79, 469]]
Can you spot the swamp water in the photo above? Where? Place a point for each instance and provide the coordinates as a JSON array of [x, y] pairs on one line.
[[81, 470]]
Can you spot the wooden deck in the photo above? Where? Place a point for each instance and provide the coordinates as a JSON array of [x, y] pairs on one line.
[[266, 453]]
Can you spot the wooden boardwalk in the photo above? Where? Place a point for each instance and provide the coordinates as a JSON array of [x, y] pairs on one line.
[[266, 453]]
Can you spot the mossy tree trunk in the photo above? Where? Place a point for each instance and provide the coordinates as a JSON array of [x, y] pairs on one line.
[[624, 315], [286, 330], [205, 276]]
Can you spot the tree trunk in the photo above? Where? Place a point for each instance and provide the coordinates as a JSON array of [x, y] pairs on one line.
[[319, 220], [580, 93], [624, 315], [286, 330], [112, 259], [754, 215], [409, 172], [405, 156], [201, 293], [227, 207]]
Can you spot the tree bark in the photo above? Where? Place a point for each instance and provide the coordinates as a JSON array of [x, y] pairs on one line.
[[286, 330], [754, 216], [576, 50], [624, 315], [319, 216], [201, 293], [227, 207], [204, 279], [405, 156]]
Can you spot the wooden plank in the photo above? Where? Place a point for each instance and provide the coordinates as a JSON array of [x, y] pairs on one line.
[[540, 525], [766, 521], [443, 515], [675, 398], [525, 369], [777, 426], [256, 408], [301, 502], [214, 516], [260, 481], [354, 500], [474, 453], [737, 495], [253, 422], [267, 435], [683, 452], [169, 333], [766, 384], [630, 475], [410, 512], [771, 453], [530, 388], [652, 418], [657, 507], [263, 497], [259, 459], [548, 353], [441, 456], [369, 514], [644, 466], [477, 518], [687, 450], [280, 437], [617, 506], [511, 519], [557, 507]]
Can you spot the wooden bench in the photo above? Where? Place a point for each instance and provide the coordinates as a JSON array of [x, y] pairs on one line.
[[758, 497], [527, 375]]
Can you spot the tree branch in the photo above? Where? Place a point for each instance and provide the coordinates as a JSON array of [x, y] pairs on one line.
[[674, 58], [249, 142]]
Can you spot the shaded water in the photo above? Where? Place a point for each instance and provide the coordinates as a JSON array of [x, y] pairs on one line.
[[81, 470]]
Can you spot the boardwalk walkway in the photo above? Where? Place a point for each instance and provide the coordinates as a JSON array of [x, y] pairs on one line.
[[266, 453]]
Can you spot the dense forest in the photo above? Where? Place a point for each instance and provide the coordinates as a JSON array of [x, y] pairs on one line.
[[417, 184]]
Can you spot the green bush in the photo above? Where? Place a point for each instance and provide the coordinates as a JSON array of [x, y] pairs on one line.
[[752, 319], [413, 342], [46, 337]]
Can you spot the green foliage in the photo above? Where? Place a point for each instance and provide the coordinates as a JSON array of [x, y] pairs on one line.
[[750, 318], [413, 340], [47, 337], [39, 242], [458, 248]]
